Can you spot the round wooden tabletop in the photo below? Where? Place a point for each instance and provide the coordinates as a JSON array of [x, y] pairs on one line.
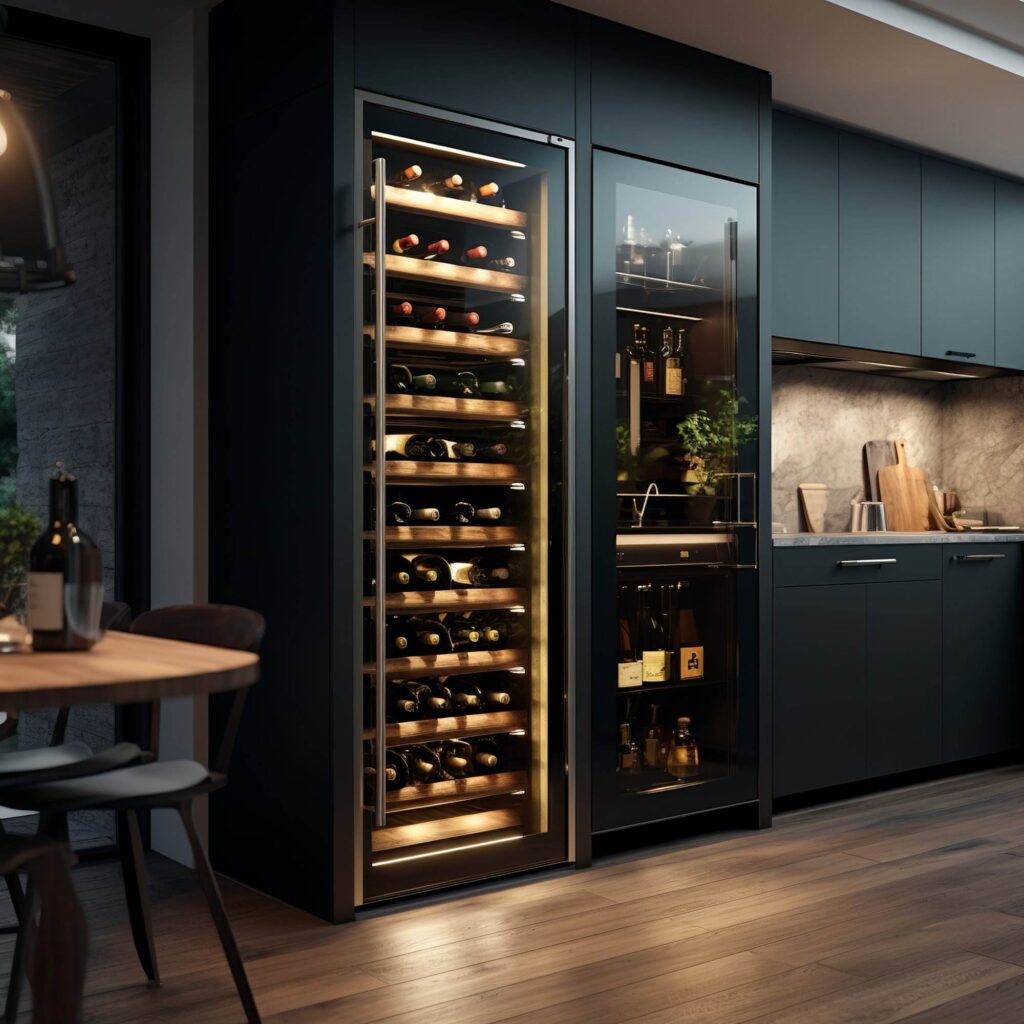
[[123, 668]]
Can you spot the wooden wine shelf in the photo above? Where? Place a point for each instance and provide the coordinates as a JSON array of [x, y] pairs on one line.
[[445, 408], [427, 730], [455, 342], [419, 665], [411, 538], [451, 209], [448, 273], [413, 602], [453, 791], [395, 837], [441, 472]]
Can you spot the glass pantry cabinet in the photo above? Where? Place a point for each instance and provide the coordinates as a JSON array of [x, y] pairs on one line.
[[461, 713], [674, 690]]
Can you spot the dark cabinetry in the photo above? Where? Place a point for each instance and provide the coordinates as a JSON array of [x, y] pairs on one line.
[[1009, 274], [981, 677], [879, 245], [958, 262], [887, 668], [805, 229]]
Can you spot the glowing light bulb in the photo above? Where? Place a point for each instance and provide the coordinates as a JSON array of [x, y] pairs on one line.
[[3, 139]]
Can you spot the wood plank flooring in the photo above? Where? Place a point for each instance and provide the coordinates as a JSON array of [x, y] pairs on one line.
[[904, 906]]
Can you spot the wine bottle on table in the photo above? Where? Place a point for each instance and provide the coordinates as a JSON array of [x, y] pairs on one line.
[[407, 176], [424, 764], [65, 578], [486, 755], [432, 701], [403, 702], [456, 757]]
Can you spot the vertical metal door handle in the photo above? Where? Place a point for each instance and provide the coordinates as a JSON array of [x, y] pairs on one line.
[[380, 176]]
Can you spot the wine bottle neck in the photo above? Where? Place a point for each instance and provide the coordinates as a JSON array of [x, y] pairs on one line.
[[63, 500]]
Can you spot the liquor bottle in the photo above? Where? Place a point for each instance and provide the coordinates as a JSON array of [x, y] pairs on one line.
[[648, 379], [414, 446], [456, 757], [450, 185], [466, 697], [65, 578], [630, 666], [486, 755], [405, 243], [432, 700], [402, 379], [428, 636], [655, 747], [654, 649], [683, 756], [672, 368], [403, 702], [502, 263], [407, 176], [424, 764], [486, 193], [468, 318]]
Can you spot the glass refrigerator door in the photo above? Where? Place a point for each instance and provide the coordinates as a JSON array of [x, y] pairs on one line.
[[465, 330], [676, 367]]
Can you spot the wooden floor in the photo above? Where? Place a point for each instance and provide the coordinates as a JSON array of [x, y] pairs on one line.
[[907, 906]]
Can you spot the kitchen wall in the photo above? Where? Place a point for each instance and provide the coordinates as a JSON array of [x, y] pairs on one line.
[[966, 435]]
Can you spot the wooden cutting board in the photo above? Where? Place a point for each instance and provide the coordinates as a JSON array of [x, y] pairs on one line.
[[813, 503], [876, 455], [904, 490]]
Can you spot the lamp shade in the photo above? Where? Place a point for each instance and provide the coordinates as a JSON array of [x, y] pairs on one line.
[[31, 252]]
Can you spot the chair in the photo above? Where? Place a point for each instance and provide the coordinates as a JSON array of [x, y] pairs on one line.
[[162, 784]]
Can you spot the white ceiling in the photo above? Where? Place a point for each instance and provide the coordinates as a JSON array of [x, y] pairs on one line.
[[862, 70]]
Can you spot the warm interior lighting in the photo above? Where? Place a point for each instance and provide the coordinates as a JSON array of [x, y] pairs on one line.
[[651, 312], [465, 154], [441, 853], [4, 95]]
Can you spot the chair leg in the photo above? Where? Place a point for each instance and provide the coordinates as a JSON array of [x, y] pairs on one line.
[[22, 946], [136, 892], [219, 913]]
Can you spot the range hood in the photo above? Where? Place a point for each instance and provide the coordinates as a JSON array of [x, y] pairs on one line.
[[788, 352]]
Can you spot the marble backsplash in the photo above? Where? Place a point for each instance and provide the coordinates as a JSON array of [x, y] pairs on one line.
[[966, 435]]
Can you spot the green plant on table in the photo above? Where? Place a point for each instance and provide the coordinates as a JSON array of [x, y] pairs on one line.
[[711, 438], [18, 532]]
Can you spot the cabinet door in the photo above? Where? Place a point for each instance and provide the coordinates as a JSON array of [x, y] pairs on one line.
[[805, 229], [879, 245], [820, 708], [904, 676], [981, 654], [958, 262], [1009, 274]]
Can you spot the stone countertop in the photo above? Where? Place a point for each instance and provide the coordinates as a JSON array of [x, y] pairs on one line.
[[814, 540]]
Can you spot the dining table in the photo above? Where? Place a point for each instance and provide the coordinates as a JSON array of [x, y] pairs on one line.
[[121, 668]]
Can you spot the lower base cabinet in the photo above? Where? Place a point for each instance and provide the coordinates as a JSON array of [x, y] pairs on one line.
[[876, 673]]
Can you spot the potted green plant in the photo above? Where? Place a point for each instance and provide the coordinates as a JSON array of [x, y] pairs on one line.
[[711, 438], [18, 531]]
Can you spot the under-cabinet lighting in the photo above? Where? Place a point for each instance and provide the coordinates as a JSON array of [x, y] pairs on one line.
[[517, 732], [518, 425], [518, 792], [518, 547], [441, 853], [518, 610], [517, 362], [435, 148], [654, 312], [518, 487], [519, 236]]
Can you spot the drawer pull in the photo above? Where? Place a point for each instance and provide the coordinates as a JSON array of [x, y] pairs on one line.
[[962, 355], [853, 563], [977, 558]]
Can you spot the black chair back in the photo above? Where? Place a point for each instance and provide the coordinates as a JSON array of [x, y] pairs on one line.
[[219, 625]]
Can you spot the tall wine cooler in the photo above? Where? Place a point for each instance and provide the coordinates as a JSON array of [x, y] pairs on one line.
[[675, 685], [462, 712]]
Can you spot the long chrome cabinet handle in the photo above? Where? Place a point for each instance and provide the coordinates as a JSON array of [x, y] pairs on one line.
[[977, 558], [852, 563], [380, 436]]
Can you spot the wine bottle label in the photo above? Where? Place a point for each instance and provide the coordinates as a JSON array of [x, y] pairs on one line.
[[618, 365], [673, 380], [46, 600], [655, 667], [630, 674], [648, 371], [691, 662]]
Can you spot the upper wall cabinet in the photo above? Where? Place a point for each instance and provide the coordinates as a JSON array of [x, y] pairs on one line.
[[805, 229], [1009, 274], [515, 64], [958, 262], [655, 98], [879, 245]]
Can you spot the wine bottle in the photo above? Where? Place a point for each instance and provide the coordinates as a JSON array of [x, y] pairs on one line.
[[430, 572], [402, 310], [629, 750], [424, 764], [456, 757], [461, 513], [407, 176], [431, 699], [474, 255], [654, 649], [458, 449], [630, 667], [403, 702], [430, 314], [428, 636], [488, 513], [464, 635], [473, 574], [396, 636], [400, 572], [467, 697], [402, 379], [396, 771], [405, 243], [450, 185], [65, 578], [468, 318], [647, 375], [486, 755], [438, 248], [497, 451], [485, 193], [400, 512], [683, 757], [414, 446], [502, 263], [655, 748], [458, 384], [672, 369], [496, 696]]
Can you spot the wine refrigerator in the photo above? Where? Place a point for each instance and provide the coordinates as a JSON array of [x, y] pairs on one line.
[[675, 688], [461, 716]]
